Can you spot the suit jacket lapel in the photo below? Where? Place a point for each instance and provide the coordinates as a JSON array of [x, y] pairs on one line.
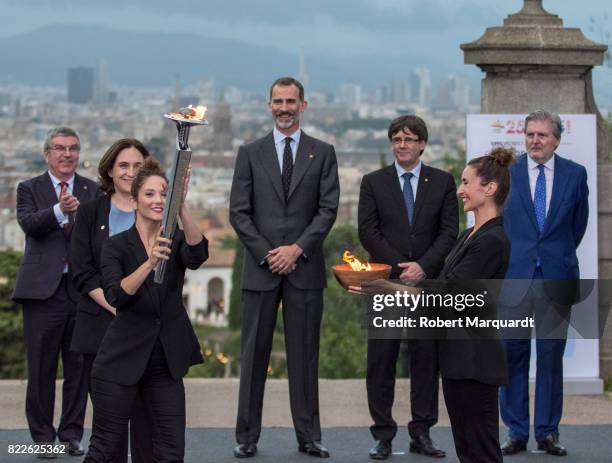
[[269, 160], [422, 189], [456, 252], [396, 193], [462, 245], [303, 160], [560, 180], [140, 255], [524, 191], [80, 189], [47, 189], [103, 212]]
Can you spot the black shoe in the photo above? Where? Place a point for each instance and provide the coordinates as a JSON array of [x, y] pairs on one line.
[[513, 446], [75, 448], [381, 451], [425, 446], [552, 446], [46, 450], [314, 449], [245, 450], [45, 454]]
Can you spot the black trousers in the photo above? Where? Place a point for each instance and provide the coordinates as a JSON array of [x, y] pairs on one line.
[[380, 383], [474, 415], [164, 400], [302, 311], [47, 332], [141, 440]]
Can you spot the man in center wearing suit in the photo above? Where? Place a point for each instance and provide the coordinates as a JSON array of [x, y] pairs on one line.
[[408, 218], [283, 203], [46, 206]]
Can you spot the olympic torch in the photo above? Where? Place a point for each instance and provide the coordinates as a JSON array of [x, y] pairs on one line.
[[184, 119]]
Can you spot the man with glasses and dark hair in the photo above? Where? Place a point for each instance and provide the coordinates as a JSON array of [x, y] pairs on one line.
[[408, 218], [46, 206]]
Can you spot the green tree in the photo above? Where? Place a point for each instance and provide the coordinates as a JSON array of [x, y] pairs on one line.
[[12, 350], [343, 340], [455, 165], [382, 158], [235, 302]]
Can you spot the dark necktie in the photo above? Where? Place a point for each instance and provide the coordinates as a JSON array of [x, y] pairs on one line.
[[64, 191], [408, 195], [539, 198], [287, 167]]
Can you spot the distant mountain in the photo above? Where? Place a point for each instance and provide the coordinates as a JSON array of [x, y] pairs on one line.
[[148, 59]]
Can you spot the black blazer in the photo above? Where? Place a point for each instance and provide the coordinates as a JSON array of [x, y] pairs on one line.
[[155, 311], [383, 224], [484, 256], [47, 244], [263, 219], [89, 234]]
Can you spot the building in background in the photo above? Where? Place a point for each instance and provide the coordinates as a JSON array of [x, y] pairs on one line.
[[420, 87], [80, 85], [101, 92]]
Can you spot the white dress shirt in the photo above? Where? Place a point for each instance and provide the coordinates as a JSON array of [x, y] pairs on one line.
[[279, 143], [59, 215], [414, 181]]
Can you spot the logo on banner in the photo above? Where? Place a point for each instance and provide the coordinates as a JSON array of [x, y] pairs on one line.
[[497, 126]]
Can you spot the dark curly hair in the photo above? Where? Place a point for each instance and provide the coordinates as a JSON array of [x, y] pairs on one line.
[[150, 168], [495, 167]]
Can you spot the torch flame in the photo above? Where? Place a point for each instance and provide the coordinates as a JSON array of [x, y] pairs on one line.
[[355, 263], [191, 112]]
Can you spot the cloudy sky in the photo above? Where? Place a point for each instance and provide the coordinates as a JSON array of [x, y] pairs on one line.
[[321, 28], [337, 27]]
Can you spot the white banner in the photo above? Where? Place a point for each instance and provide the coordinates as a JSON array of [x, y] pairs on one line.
[[578, 143]]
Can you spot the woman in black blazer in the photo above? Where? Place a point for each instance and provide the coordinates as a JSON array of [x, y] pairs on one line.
[[472, 370], [150, 344], [95, 221]]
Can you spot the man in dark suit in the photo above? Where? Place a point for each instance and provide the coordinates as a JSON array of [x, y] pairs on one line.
[[545, 219], [283, 203], [45, 211], [408, 218]]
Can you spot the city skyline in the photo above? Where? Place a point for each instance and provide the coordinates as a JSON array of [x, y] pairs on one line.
[[365, 42]]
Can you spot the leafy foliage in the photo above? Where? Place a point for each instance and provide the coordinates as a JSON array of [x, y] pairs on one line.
[[12, 350], [343, 339], [235, 302], [455, 165]]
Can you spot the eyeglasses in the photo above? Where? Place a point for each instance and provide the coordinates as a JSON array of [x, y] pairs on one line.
[[62, 149], [408, 141]]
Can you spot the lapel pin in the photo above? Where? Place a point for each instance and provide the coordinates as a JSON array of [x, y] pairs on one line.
[[102, 227], [311, 156]]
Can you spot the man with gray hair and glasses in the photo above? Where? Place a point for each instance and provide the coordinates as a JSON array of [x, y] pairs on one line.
[[545, 219], [46, 206]]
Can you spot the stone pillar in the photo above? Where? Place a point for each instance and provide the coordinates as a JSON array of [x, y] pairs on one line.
[[533, 62]]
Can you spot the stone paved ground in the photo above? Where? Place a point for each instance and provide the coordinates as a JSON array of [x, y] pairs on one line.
[[212, 403], [586, 444], [211, 409]]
